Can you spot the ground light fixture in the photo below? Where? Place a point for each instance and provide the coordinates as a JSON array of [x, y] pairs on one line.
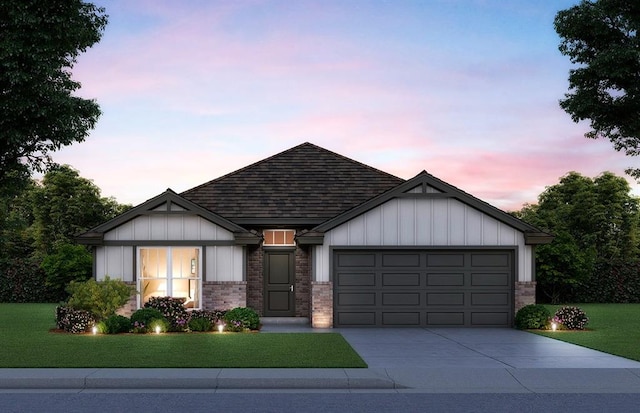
[[94, 330], [554, 326], [158, 329], [220, 328]]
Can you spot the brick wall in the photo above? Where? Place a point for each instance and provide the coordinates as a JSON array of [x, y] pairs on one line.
[[224, 295], [303, 280], [525, 294], [255, 280], [321, 304]]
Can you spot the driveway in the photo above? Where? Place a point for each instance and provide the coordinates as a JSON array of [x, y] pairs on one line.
[[472, 348]]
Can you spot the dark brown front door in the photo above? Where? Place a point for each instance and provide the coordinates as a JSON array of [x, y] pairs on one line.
[[279, 288]]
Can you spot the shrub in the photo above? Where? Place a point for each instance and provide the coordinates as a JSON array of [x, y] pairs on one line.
[[572, 318], [200, 324], [241, 318], [214, 316], [73, 320], [101, 298], [172, 309], [532, 316], [116, 324], [141, 319], [23, 281]]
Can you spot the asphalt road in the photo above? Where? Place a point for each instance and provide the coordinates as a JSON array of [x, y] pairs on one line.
[[166, 401]]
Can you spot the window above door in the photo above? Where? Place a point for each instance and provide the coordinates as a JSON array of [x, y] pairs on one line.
[[279, 237]]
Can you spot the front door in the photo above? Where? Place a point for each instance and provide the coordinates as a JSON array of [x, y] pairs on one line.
[[279, 288]]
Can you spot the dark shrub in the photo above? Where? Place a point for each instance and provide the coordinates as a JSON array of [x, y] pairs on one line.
[[532, 316], [23, 281], [572, 318], [200, 324], [74, 321], [172, 309], [241, 318], [141, 319], [68, 263], [116, 324]]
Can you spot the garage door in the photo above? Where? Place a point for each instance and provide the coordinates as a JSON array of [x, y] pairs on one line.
[[427, 288]]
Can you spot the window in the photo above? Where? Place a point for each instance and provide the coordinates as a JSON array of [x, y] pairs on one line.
[[170, 271], [279, 237]]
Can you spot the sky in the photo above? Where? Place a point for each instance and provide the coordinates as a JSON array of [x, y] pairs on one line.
[[467, 90]]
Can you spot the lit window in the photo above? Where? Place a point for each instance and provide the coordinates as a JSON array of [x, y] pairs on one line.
[[170, 272], [279, 237]]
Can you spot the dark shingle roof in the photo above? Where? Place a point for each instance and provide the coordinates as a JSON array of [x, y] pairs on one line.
[[303, 185]]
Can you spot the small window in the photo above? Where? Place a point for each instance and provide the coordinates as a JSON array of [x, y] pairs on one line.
[[279, 237]]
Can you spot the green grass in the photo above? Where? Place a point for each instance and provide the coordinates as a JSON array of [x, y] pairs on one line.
[[612, 328], [26, 341]]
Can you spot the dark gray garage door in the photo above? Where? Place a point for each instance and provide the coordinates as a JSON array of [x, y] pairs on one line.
[[423, 288]]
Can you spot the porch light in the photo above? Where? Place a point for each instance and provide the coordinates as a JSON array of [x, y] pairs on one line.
[[158, 329], [220, 327]]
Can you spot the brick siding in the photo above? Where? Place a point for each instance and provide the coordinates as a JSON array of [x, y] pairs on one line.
[[224, 295], [525, 294], [321, 304]]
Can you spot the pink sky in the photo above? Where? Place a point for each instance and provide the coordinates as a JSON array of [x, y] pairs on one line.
[[466, 90]]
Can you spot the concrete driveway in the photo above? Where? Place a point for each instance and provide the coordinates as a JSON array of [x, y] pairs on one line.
[[472, 348]]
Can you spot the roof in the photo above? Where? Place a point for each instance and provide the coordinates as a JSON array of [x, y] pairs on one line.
[[305, 185]]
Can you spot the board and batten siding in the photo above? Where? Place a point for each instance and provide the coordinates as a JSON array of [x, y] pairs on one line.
[[419, 222], [223, 263]]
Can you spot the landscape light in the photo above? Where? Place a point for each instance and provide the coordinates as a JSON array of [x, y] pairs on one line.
[[158, 329], [220, 328], [94, 330], [554, 326]]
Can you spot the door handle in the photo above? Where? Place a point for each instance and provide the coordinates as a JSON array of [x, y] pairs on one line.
[[291, 288]]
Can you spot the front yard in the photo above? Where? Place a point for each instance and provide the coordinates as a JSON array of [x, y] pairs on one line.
[[612, 328], [26, 341]]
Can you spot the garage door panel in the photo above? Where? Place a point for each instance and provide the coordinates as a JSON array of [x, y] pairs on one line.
[[357, 260], [445, 260], [400, 260], [357, 280], [400, 280], [390, 299], [445, 318], [489, 319], [357, 318], [401, 318], [445, 280], [490, 260], [490, 279], [449, 299], [424, 288], [351, 299], [495, 299]]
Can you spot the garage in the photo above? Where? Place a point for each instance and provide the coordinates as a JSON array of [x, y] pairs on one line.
[[423, 287]]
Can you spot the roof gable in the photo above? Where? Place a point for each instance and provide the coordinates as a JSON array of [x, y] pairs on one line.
[[168, 202], [425, 185], [305, 185]]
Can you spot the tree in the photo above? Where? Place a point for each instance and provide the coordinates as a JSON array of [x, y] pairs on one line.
[[595, 221], [39, 44], [601, 37]]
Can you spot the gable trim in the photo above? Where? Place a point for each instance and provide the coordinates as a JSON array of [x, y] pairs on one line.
[[425, 180]]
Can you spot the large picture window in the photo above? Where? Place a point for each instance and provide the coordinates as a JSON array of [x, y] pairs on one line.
[[170, 271]]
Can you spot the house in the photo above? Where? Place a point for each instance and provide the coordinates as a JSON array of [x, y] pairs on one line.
[[310, 233]]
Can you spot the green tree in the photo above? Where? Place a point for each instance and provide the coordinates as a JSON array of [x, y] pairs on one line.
[[594, 221], [601, 37], [67, 263], [39, 44]]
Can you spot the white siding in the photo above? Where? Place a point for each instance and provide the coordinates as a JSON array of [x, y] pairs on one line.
[[444, 222], [116, 262], [224, 263], [167, 227]]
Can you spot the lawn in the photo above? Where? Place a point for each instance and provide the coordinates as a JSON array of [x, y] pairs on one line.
[[612, 328], [26, 341]]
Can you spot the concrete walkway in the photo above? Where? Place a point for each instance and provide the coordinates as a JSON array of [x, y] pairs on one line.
[[400, 360]]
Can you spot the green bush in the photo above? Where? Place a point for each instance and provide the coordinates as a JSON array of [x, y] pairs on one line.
[[101, 298], [200, 324], [116, 324], [73, 320], [142, 319], [172, 309], [532, 316], [241, 318], [23, 281], [572, 318]]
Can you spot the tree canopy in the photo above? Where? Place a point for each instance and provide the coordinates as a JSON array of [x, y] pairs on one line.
[[595, 221], [39, 44], [601, 37]]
